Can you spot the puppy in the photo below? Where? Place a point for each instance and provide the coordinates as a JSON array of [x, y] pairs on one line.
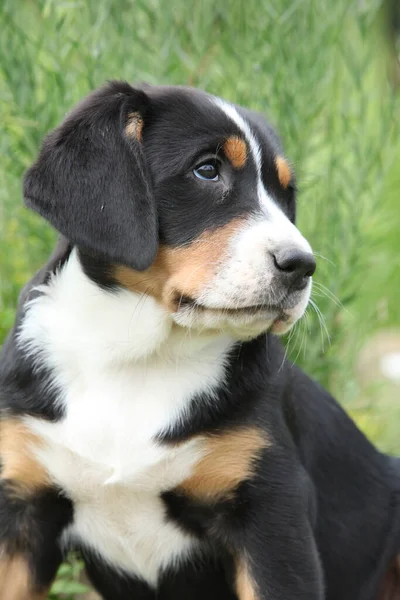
[[149, 418]]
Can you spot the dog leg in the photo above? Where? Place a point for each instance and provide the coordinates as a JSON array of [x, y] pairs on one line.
[[30, 552], [278, 572], [16, 580], [33, 515], [273, 541]]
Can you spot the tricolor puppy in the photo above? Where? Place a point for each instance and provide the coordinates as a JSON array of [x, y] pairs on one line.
[[148, 416]]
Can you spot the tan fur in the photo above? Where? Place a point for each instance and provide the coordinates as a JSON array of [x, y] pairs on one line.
[[181, 271], [284, 173], [235, 150], [245, 587], [19, 464], [390, 586], [134, 127], [229, 459], [16, 580]]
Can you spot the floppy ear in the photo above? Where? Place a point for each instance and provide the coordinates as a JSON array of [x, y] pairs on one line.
[[91, 181]]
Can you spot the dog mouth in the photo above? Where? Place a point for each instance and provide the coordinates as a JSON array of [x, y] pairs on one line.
[[264, 311]]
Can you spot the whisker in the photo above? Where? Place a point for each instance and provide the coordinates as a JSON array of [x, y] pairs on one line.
[[287, 348], [322, 323], [319, 255], [328, 293], [306, 318], [301, 343], [296, 341]]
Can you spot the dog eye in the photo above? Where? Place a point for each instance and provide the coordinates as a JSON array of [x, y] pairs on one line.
[[207, 171]]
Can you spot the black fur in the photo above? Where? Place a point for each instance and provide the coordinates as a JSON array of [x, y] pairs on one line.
[[32, 530], [91, 181], [209, 577], [320, 519], [24, 385]]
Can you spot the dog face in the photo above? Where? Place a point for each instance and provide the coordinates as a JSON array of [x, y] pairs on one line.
[[174, 193]]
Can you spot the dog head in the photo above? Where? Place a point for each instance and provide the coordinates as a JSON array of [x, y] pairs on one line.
[[176, 194]]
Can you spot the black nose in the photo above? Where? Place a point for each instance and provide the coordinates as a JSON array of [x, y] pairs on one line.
[[296, 266]]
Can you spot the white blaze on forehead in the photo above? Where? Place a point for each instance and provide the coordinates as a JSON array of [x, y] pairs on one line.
[[266, 202], [284, 232], [233, 114]]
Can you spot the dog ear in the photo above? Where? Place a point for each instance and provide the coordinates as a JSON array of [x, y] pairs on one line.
[[91, 181]]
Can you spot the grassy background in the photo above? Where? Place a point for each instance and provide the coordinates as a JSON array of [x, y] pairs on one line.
[[318, 68]]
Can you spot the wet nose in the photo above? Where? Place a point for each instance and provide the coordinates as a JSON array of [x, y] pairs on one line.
[[296, 266]]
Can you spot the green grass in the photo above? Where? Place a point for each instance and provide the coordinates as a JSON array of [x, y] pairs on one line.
[[316, 67]]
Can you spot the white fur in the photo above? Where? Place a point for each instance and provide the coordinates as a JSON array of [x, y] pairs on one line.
[[233, 114], [245, 275], [278, 229], [124, 374]]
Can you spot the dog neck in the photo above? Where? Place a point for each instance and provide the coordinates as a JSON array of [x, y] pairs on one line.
[[112, 327]]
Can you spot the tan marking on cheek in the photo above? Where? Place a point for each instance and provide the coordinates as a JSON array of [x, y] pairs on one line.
[[183, 270], [235, 150], [134, 127], [229, 459], [245, 586], [19, 466], [193, 267], [16, 580], [284, 173], [151, 281]]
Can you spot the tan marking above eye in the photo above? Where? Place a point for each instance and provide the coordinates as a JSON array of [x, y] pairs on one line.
[[245, 586], [229, 459], [284, 172], [184, 270], [235, 150], [134, 128], [19, 466], [16, 582]]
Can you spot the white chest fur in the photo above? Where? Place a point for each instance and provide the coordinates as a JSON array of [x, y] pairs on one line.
[[124, 375]]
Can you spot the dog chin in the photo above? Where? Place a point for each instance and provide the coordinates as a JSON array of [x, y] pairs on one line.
[[288, 319], [242, 325]]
